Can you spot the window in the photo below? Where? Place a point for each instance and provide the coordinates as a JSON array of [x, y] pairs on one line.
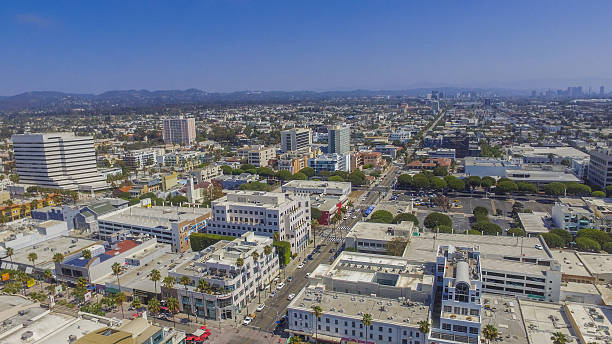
[[448, 309], [474, 312], [446, 326]]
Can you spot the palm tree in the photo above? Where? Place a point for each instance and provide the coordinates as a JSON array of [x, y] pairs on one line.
[[490, 333], [10, 252], [58, 257], [558, 338], [155, 276], [173, 307], [48, 275], [86, 254], [185, 282], [116, 267], [32, 257], [295, 340], [119, 300], [316, 312], [267, 250], [239, 262], [168, 282], [366, 320], [136, 303], [423, 328], [202, 286], [255, 256], [154, 306]]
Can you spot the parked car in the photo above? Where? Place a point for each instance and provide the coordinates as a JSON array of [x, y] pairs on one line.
[[247, 321], [290, 297], [261, 307], [280, 286], [300, 266]]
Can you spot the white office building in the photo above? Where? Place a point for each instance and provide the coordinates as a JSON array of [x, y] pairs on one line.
[[339, 140], [330, 162], [316, 187], [263, 213], [180, 131], [295, 139], [600, 167], [142, 158], [57, 160], [231, 286]]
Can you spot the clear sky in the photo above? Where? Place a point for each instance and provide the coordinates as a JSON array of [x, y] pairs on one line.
[[94, 46]]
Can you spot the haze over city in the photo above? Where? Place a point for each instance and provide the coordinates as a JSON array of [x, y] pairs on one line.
[[91, 47]]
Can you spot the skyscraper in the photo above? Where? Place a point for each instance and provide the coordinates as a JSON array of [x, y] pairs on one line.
[[295, 139], [601, 91], [179, 131], [57, 160], [339, 139]]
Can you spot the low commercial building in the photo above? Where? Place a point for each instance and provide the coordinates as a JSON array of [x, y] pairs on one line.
[[138, 159], [492, 167], [388, 150], [31, 233], [572, 218], [371, 159], [135, 331], [235, 271], [207, 173], [330, 162], [533, 223], [371, 237], [315, 188], [233, 182], [170, 225], [263, 213]]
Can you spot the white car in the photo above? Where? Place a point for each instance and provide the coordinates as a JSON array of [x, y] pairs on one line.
[[273, 294], [307, 274], [539, 247], [247, 320], [300, 266], [276, 279], [290, 297], [280, 286], [261, 307]]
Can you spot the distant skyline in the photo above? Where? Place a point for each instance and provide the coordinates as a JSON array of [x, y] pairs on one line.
[[235, 45]]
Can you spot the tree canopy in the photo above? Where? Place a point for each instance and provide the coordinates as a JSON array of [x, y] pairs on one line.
[[436, 219]]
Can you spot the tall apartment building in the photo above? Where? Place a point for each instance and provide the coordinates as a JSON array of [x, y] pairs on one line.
[[180, 131], [458, 292], [261, 156], [294, 139], [231, 286], [339, 140], [57, 160], [600, 167], [263, 213]]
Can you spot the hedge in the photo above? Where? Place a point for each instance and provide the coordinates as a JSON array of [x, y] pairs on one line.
[[284, 251], [200, 241]]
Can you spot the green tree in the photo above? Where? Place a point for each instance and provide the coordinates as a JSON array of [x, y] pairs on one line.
[[587, 244], [443, 229], [119, 300], [58, 258], [487, 182], [185, 280], [226, 169], [315, 213], [239, 262], [136, 304], [487, 228], [335, 179], [86, 254], [154, 306], [455, 183], [308, 171], [480, 211], [381, 216], [10, 252], [406, 217], [609, 191], [423, 327], [366, 320], [527, 187], [283, 175], [420, 181], [574, 188], [299, 176], [600, 237], [607, 247], [316, 313], [563, 234], [436, 219], [506, 186], [33, 257], [598, 194], [116, 269], [155, 276], [173, 307], [404, 181], [555, 189], [473, 182], [438, 184], [518, 232], [440, 171], [553, 240], [490, 333], [558, 338], [357, 178]]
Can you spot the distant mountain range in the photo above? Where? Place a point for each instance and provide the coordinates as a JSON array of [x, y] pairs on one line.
[[58, 102]]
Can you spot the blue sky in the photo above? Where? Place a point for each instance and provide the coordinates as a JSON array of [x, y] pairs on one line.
[[94, 46]]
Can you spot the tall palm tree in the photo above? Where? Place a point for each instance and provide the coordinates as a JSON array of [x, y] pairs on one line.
[[48, 275], [168, 282], [366, 320], [316, 312], [558, 338], [239, 262], [119, 300], [86, 254], [58, 257], [33, 257], [136, 303], [155, 276], [116, 267], [202, 286], [490, 333], [185, 282], [10, 252], [154, 306], [424, 328], [267, 250], [173, 307], [255, 256]]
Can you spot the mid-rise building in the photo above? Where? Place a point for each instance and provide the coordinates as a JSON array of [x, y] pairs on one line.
[[600, 167], [572, 218], [141, 158], [207, 173], [339, 140], [316, 187], [180, 131], [261, 156], [294, 161], [264, 213], [372, 237], [57, 160], [235, 271], [170, 225], [295, 139], [330, 162]]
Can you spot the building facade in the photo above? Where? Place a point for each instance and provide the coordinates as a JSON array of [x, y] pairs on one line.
[[339, 140], [330, 162], [295, 139], [58, 161], [263, 213], [180, 131], [600, 167]]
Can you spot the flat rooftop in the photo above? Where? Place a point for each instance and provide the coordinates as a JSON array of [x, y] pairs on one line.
[[596, 263], [533, 222], [341, 304], [381, 231], [317, 184], [570, 263], [593, 322], [505, 315], [157, 216], [45, 250], [542, 319], [424, 247]]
